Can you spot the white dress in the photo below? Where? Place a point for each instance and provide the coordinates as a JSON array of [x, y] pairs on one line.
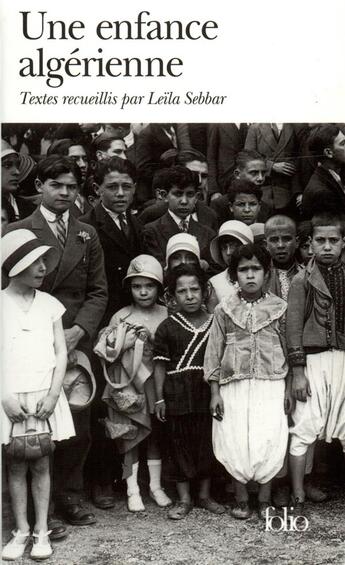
[[222, 285], [28, 362]]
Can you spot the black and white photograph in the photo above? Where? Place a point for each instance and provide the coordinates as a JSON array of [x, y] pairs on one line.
[[173, 343], [173, 282]]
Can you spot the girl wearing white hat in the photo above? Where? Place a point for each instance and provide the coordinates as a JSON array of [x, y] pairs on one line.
[[34, 364], [182, 249], [231, 235], [129, 338]]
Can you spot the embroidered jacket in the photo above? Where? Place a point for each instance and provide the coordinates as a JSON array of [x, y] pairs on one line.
[[245, 340], [311, 320], [181, 347]]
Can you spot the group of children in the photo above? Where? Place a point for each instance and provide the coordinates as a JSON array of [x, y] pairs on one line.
[[204, 371]]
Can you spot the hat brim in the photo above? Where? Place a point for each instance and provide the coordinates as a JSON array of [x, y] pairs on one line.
[[214, 246], [143, 274], [8, 151], [26, 165], [51, 256], [181, 247]]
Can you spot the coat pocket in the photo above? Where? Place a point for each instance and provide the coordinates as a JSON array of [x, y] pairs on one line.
[[236, 358], [279, 361]]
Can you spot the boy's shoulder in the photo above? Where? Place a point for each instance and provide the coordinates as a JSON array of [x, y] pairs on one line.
[[155, 224]]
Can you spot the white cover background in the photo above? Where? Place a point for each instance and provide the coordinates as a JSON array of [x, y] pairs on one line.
[[276, 60]]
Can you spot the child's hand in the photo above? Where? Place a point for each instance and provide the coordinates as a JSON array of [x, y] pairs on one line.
[[300, 387], [289, 402], [160, 410], [217, 407], [45, 407], [130, 339], [15, 411]]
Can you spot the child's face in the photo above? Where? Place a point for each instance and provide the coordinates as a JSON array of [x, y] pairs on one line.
[[254, 171], [33, 275], [78, 154], [327, 244], [58, 194], [250, 277], [9, 173], [245, 208], [227, 246], [188, 294], [181, 201], [117, 148], [144, 291], [182, 257], [117, 191], [281, 244], [306, 251]]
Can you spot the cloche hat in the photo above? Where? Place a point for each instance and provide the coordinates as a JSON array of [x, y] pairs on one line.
[[145, 266], [232, 228], [20, 248], [182, 242]]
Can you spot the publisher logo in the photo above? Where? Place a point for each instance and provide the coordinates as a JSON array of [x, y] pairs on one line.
[[285, 523]]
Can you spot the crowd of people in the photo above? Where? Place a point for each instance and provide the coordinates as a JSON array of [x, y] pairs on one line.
[[195, 272]]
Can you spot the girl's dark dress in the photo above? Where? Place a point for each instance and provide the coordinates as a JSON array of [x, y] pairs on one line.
[[188, 450]]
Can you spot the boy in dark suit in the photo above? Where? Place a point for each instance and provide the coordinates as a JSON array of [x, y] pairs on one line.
[[117, 228], [181, 190], [194, 161]]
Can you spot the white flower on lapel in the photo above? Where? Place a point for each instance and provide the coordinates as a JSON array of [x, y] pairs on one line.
[[84, 236]]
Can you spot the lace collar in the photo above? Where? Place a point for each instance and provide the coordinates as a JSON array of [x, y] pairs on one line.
[[262, 312]]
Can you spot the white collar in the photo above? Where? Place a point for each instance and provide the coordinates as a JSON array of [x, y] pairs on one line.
[[177, 219], [115, 215], [50, 216]]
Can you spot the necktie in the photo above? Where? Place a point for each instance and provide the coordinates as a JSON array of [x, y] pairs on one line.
[[173, 137], [275, 130], [123, 224], [183, 225], [60, 230]]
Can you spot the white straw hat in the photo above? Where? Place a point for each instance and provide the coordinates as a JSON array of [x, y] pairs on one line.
[[7, 149], [232, 228], [20, 248], [182, 242], [145, 266]]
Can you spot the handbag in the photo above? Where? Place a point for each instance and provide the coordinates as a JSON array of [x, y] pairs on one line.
[[126, 389], [123, 393], [31, 444]]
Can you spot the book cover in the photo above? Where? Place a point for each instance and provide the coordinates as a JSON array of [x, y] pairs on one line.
[[211, 71]]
